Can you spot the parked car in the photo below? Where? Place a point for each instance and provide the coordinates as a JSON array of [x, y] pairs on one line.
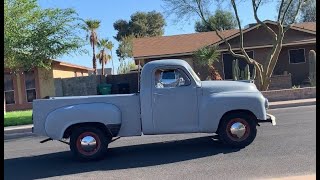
[[88, 124]]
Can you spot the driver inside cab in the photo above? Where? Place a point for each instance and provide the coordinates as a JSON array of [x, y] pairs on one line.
[[157, 79]]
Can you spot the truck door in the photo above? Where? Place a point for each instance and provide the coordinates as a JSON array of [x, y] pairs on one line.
[[174, 101]]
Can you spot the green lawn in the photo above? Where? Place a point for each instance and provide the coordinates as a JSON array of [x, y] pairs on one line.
[[18, 118]]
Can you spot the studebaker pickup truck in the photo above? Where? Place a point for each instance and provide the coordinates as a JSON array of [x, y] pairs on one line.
[[172, 100]]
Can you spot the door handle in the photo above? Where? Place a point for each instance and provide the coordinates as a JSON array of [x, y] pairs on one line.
[[158, 94]]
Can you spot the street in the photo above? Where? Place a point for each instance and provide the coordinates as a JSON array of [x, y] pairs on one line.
[[287, 149]]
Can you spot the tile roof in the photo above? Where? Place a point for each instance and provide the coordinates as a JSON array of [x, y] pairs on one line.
[[306, 25], [71, 65], [187, 43], [183, 43]]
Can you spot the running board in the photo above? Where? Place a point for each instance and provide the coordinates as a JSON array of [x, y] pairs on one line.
[[43, 141], [49, 139], [115, 139]]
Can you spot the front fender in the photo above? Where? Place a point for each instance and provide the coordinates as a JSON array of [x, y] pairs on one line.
[[214, 106], [60, 119]]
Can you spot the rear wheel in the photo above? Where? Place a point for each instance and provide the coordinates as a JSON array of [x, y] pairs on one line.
[[237, 129], [88, 143]]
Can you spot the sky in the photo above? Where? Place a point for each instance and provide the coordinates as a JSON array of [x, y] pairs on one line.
[[109, 11]]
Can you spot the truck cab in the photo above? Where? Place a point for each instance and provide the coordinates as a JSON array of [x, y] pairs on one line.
[[174, 103]]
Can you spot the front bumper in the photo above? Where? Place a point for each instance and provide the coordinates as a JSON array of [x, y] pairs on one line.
[[270, 118]]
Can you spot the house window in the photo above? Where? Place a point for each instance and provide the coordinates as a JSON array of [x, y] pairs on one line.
[[30, 84], [296, 56], [8, 89]]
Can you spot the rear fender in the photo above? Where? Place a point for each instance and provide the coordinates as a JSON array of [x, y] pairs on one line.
[[60, 119]]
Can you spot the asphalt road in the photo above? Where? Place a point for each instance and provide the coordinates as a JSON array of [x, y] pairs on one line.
[[287, 149]]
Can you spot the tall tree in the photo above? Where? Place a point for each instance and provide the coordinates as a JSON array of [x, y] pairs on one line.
[[103, 55], [125, 47], [110, 46], [264, 70], [91, 27], [307, 12], [141, 24], [33, 36], [222, 20]]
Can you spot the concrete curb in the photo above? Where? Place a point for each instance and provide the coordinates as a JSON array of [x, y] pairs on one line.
[[18, 129], [293, 103], [27, 129]]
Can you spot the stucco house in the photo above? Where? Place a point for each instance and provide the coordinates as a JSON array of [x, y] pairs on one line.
[[298, 41], [20, 88]]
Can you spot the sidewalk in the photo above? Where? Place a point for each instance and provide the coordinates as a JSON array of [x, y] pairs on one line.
[[306, 177], [272, 105]]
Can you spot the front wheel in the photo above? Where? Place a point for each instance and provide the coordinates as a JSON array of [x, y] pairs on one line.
[[88, 143], [237, 129]]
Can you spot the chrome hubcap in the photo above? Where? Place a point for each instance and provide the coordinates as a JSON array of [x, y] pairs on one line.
[[88, 143], [238, 129]]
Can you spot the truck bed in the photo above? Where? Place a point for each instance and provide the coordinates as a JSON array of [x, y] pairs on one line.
[[129, 105]]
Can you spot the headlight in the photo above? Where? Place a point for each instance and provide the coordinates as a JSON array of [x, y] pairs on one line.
[[266, 103]]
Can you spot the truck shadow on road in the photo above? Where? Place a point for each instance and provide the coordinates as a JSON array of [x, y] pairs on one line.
[[142, 155]]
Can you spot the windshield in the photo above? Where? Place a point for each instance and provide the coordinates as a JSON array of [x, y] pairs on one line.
[[194, 75]]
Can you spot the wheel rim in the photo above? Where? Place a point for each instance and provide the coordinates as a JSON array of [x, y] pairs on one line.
[[238, 129], [88, 143]]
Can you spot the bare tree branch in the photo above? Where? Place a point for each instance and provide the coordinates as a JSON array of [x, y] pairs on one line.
[[217, 33], [258, 5], [276, 51], [280, 10], [200, 13], [255, 9], [295, 16], [285, 12], [241, 33], [244, 55], [260, 71]]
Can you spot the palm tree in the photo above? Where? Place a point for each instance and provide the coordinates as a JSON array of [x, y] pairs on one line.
[[91, 26], [103, 56], [109, 46], [206, 56]]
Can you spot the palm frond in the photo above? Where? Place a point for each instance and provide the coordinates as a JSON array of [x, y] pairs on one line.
[[207, 55], [103, 43], [109, 45], [108, 58], [103, 57], [92, 24]]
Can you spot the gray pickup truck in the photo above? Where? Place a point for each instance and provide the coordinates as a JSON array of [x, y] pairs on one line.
[[172, 100]]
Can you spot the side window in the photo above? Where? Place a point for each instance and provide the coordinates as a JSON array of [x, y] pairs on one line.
[[30, 84], [8, 88], [171, 78]]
